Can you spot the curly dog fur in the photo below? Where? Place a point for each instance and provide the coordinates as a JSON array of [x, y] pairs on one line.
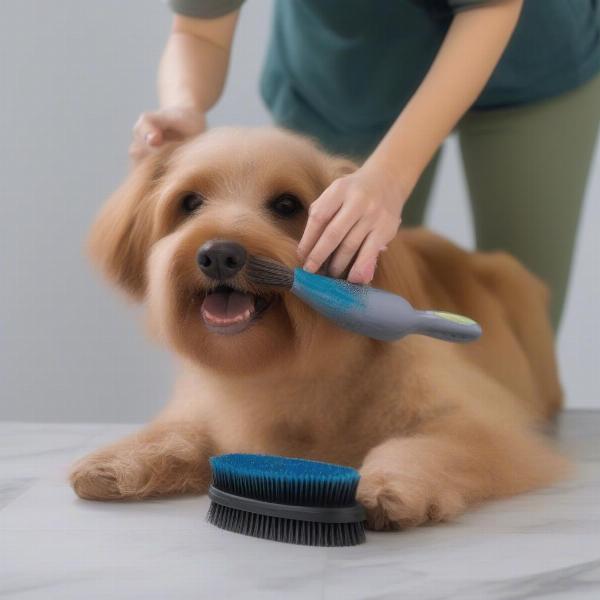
[[433, 427]]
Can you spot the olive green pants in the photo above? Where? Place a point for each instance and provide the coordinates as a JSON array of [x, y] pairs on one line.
[[526, 169]]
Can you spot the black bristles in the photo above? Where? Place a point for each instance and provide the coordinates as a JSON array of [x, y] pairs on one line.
[[306, 533], [264, 271], [286, 499]]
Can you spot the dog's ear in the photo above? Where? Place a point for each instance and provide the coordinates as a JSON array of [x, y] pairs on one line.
[[123, 232]]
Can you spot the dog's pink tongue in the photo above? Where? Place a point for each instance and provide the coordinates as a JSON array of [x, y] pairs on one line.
[[224, 308]]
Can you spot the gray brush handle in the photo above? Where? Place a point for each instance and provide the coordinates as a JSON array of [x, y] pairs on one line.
[[376, 313], [317, 514]]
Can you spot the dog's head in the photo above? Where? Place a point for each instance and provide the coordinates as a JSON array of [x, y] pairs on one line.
[[179, 231]]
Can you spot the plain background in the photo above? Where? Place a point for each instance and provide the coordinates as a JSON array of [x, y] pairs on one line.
[[75, 75]]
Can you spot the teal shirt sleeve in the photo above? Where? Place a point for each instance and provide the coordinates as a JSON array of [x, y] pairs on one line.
[[457, 5], [446, 9], [204, 9], [211, 9]]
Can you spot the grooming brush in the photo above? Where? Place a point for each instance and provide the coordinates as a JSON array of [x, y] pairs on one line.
[[363, 309], [286, 499]]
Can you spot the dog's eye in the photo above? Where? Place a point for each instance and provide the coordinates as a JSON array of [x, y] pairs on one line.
[[191, 202], [286, 205]]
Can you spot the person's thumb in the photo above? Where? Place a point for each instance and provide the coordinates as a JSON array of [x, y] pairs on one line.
[[149, 130], [154, 136]]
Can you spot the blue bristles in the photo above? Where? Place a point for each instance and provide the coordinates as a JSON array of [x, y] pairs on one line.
[[286, 499], [285, 480]]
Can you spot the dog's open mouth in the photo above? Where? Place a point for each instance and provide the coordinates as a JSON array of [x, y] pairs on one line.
[[228, 310]]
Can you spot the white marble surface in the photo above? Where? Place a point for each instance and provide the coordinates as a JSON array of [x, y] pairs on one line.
[[52, 545]]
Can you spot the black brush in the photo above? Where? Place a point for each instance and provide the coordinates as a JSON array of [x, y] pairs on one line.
[[286, 499]]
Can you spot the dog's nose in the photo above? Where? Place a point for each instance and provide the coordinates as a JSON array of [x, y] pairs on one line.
[[220, 259]]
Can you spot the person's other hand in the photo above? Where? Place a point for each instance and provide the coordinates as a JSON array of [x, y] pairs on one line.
[[153, 129], [352, 222]]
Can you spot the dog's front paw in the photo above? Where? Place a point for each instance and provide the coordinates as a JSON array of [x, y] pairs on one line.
[[396, 501], [158, 462], [96, 477]]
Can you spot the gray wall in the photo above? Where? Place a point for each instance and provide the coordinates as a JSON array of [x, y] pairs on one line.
[[74, 77]]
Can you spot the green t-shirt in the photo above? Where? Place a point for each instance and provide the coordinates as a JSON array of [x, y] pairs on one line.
[[342, 70]]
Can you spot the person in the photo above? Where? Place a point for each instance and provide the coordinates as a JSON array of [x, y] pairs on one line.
[[385, 82]]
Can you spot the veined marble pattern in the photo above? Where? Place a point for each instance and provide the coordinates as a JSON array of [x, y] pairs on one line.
[[543, 545]]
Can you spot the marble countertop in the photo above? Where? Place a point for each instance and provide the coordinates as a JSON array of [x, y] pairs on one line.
[[52, 545]]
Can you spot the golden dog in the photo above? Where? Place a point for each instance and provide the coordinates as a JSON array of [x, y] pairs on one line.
[[433, 427]]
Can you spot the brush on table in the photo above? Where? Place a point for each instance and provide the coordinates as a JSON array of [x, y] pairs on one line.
[[363, 309], [286, 499]]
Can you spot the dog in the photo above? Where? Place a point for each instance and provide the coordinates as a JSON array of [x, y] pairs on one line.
[[433, 427]]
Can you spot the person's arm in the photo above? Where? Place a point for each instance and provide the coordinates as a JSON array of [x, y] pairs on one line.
[[191, 78], [360, 213]]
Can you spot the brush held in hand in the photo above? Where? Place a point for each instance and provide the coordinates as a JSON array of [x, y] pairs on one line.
[[365, 310]]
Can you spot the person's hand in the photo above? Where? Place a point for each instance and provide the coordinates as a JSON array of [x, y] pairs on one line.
[[155, 128], [352, 221]]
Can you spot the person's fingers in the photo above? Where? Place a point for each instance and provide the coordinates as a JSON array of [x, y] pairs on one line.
[[331, 237], [178, 123], [363, 269], [148, 129], [154, 137], [154, 128], [348, 248], [138, 148], [320, 212], [149, 132]]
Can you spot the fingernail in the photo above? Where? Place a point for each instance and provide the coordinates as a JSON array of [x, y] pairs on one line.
[[311, 266], [369, 271], [354, 277]]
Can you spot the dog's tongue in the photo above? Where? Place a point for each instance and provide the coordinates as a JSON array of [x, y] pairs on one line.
[[227, 307]]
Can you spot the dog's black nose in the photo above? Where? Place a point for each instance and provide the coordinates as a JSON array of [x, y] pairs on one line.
[[220, 259]]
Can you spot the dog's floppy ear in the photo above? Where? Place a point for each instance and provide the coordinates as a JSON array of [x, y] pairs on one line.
[[123, 232]]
